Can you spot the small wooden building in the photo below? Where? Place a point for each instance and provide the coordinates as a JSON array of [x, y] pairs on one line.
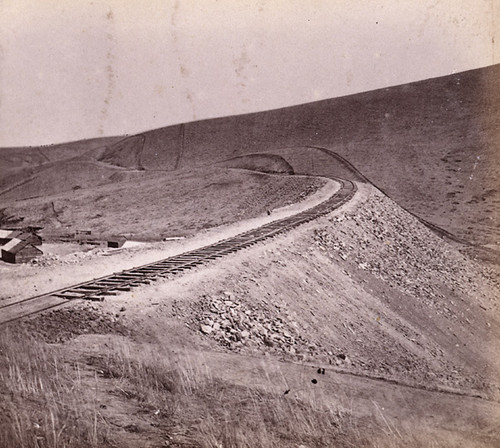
[[117, 241], [85, 232], [19, 251]]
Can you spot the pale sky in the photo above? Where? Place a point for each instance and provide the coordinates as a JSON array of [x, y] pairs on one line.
[[73, 69]]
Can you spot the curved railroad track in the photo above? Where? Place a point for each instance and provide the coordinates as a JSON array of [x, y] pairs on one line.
[[112, 284]]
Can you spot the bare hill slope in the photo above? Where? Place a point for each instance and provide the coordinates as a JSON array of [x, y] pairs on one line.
[[432, 145], [149, 205]]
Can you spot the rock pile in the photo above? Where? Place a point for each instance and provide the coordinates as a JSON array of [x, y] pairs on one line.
[[64, 324], [378, 240], [46, 260], [236, 324], [264, 326]]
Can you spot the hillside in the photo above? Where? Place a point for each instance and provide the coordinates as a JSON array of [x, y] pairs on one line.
[[432, 146], [151, 205], [362, 328]]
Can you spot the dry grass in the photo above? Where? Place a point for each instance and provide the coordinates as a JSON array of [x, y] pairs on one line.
[[152, 394], [212, 413], [51, 403], [48, 402], [44, 402]]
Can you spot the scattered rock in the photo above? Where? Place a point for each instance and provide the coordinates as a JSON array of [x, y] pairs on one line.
[[235, 324], [64, 324], [206, 329]]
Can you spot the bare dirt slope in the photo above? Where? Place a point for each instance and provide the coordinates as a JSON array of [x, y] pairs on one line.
[[433, 145], [405, 327]]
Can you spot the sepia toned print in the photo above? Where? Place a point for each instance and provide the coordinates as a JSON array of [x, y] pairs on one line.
[[249, 224]]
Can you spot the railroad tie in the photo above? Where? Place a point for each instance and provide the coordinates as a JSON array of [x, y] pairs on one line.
[[68, 295]]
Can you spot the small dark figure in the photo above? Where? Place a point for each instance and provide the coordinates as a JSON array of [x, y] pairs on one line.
[[314, 381]]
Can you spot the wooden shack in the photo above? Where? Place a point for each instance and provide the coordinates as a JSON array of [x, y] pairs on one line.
[[116, 241], [19, 251], [31, 238]]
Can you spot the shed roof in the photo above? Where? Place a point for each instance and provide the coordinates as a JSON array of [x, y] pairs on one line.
[[5, 233], [15, 245], [117, 238], [18, 235]]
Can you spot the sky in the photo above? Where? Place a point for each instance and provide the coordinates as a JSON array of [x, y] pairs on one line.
[[74, 69]]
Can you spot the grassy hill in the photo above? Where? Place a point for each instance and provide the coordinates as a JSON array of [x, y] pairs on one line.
[[432, 146]]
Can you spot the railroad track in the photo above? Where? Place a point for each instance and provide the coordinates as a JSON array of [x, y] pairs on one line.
[[113, 284]]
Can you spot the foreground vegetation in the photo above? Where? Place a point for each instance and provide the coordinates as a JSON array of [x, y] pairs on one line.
[[45, 402], [51, 402]]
